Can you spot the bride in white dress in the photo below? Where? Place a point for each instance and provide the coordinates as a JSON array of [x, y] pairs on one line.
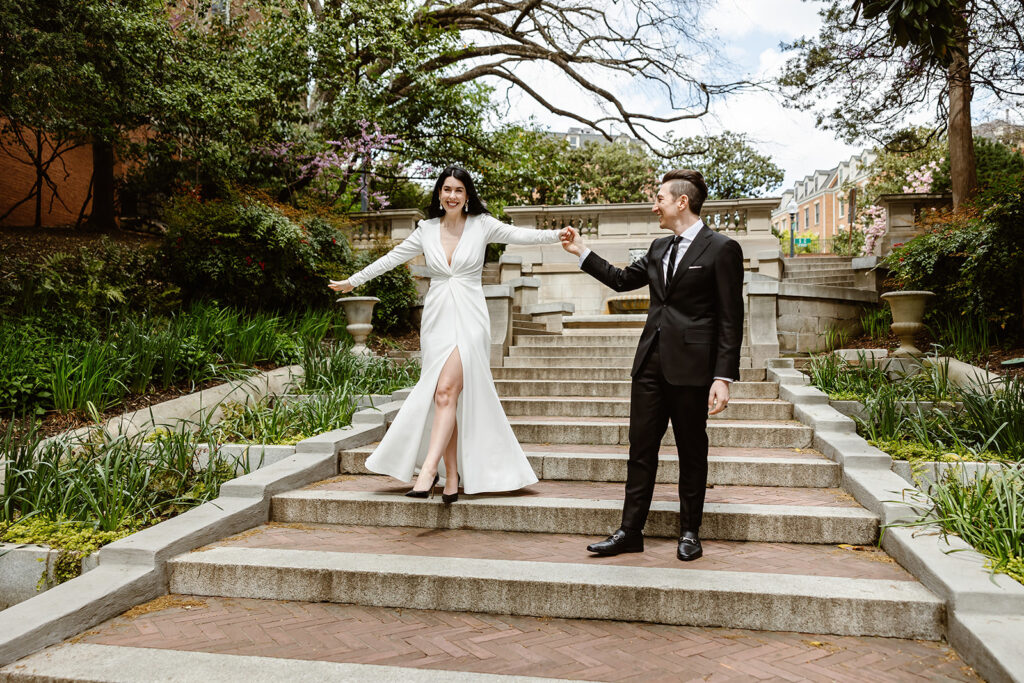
[[453, 420]]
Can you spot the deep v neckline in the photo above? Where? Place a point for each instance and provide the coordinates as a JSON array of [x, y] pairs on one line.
[[451, 259]]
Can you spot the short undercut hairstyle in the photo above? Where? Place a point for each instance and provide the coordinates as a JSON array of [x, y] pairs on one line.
[[689, 182]]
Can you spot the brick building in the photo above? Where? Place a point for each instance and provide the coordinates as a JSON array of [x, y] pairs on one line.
[[822, 198]]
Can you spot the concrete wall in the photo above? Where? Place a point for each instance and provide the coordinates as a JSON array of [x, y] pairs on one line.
[[806, 312]]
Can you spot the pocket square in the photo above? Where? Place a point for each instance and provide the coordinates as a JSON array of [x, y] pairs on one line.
[[694, 267]]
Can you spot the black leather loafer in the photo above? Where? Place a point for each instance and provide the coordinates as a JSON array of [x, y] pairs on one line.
[[689, 547], [622, 541]]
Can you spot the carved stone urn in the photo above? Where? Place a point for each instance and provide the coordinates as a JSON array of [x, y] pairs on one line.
[[907, 314], [359, 313]]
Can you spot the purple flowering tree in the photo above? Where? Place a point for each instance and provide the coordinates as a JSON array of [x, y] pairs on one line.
[[340, 173]]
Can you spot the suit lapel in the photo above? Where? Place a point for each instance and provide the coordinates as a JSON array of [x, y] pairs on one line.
[[700, 243]]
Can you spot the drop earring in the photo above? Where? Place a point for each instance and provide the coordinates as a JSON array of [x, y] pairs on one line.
[[465, 208]]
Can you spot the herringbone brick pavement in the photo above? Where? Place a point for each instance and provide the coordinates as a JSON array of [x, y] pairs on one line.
[[556, 648], [856, 562], [762, 495]]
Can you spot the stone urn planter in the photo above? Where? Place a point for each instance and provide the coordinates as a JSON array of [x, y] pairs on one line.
[[907, 313], [359, 312]]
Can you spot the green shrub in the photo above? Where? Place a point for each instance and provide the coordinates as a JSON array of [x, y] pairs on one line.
[[396, 290], [247, 253], [80, 287], [973, 259], [843, 246]]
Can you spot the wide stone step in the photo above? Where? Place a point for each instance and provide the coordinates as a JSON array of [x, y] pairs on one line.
[[726, 466], [823, 279], [582, 362], [558, 406], [613, 388], [612, 431], [581, 340], [412, 576], [598, 351], [592, 373], [771, 514], [516, 332]]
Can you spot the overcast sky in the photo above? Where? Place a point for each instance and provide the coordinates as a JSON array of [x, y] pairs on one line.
[[749, 32]]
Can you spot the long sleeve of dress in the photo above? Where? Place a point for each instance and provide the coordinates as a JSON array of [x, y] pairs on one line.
[[509, 234], [410, 248]]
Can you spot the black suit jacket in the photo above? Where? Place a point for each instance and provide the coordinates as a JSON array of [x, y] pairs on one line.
[[699, 313]]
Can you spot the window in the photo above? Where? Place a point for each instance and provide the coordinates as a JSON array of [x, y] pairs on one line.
[[807, 219], [842, 208], [817, 213]]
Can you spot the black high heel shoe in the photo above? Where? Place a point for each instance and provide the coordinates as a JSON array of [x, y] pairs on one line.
[[429, 493], [449, 498]]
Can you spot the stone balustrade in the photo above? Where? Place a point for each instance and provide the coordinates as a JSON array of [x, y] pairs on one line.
[[734, 217], [902, 213], [387, 226]]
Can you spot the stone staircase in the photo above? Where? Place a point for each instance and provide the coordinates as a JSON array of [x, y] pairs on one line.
[[351, 571], [834, 271]]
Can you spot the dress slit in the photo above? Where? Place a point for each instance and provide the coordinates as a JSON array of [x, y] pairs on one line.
[[458, 412]]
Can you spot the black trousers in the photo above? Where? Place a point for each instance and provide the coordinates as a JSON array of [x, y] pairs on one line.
[[653, 403]]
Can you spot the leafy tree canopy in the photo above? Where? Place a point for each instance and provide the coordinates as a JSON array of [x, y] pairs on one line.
[[732, 166]]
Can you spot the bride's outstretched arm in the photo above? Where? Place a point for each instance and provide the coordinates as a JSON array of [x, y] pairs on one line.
[[509, 234], [411, 247]]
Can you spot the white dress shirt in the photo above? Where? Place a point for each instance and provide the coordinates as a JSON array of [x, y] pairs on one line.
[[688, 236]]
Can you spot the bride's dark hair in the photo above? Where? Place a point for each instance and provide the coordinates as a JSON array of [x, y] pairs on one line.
[[474, 206]]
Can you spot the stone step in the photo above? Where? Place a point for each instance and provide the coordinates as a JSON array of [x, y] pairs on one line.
[[604, 322], [407, 576], [804, 268], [770, 514], [802, 261], [522, 318], [583, 362], [558, 350], [582, 340], [597, 351], [517, 332], [526, 326], [796, 468], [611, 431], [593, 373], [823, 279], [612, 388], [554, 406]]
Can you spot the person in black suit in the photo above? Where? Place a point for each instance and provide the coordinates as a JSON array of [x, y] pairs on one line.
[[689, 353]]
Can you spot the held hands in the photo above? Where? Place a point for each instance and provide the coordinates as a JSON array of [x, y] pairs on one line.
[[718, 398], [342, 286], [571, 241]]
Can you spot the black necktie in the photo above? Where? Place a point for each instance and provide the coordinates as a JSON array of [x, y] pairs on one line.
[[672, 258]]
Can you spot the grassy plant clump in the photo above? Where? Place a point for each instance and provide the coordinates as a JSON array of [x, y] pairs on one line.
[[286, 422], [986, 511], [924, 416], [333, 367], [877, 322], [108, 482], [42, 369]]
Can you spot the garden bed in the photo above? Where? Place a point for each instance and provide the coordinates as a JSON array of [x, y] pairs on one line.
[[65, 497], [959, 441]]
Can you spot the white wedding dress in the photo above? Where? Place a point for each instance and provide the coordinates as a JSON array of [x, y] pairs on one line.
[[455, 316]]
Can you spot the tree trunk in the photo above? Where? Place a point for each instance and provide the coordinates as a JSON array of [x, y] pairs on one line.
[[963, 168], [103, 214]]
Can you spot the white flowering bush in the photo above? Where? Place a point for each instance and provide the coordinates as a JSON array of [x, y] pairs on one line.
[[872, 222]]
